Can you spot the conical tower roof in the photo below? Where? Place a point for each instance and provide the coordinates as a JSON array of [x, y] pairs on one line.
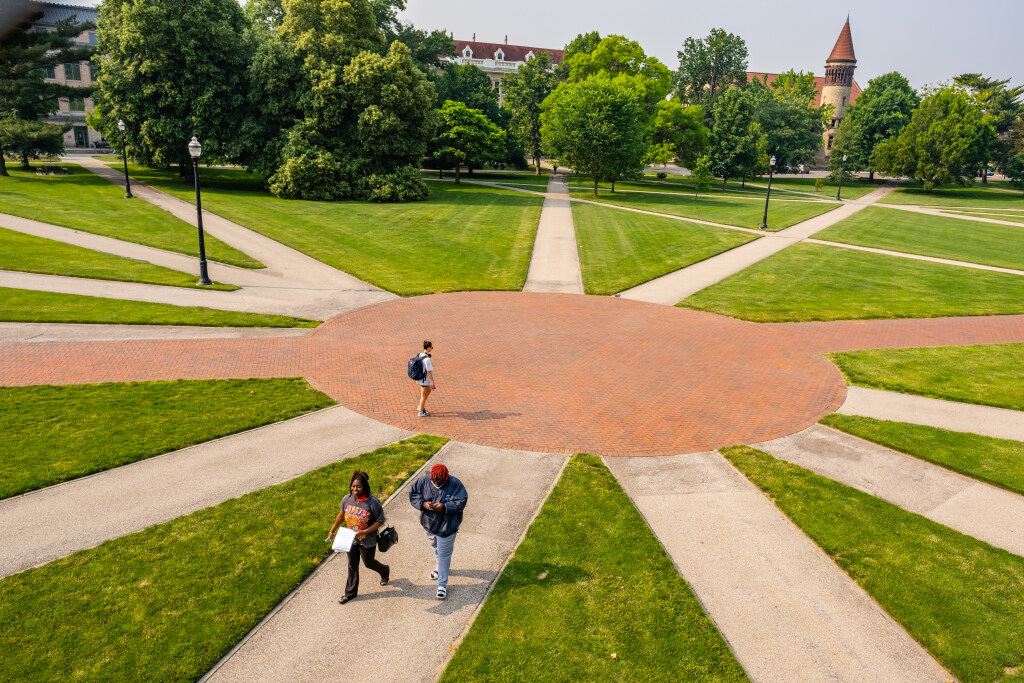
[[843, 50]]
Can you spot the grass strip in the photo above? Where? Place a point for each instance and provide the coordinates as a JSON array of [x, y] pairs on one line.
[[986, 374], [959, 597], [821, 282], [999, 462], [591, 595], [999, 216], [622, 249], [31, 254], [83, 201], [977, 195], [939, 236], [30, 306], [171, 600], [57, 433], [462, 237]]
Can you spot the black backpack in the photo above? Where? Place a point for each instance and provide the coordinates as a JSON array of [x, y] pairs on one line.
[[416, 370]]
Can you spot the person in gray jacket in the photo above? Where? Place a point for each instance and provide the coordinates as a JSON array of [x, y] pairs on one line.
[[440, 498]]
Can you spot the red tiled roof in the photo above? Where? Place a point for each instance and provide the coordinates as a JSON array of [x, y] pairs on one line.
[[843, 50], [819, 82], [513, 53]]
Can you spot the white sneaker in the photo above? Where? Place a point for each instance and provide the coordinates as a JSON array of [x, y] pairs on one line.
[[433, 575], [442, 592]]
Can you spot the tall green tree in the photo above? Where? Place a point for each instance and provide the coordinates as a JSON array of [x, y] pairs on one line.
[[677, 132], [881, 111], [735, 134], [624, 60], [464, 133], [172, 69], [25, 95], [595, 126], [1000, 102], [471, 85], [708, 67], [946, 140], [525, 91], [790, 122], [425, 47]]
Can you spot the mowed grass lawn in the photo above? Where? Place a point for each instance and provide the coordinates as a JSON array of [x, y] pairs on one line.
[[997, 461], [621, 249], [822, 282], [590, 595], [995, 214], [976, 195], [84, 201], [917, 233], [57, 433], [788, 184], [30, 306], [31, 254], [738, 211], [463, 237], [987, 374], [959, 597], [166, 603]]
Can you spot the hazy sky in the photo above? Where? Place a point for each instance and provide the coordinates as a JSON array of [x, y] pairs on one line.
[[928, 41]]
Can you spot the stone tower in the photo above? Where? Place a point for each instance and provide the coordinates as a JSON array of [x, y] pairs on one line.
[[838, 82]]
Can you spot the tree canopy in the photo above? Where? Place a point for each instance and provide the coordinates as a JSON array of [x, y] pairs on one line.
[[735, 135], [525, 91], [709, 66], [464, 133], [944, 142], [790, 122], [1003, 104]]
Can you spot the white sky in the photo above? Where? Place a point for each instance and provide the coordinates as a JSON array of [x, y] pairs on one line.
[[928, 41]]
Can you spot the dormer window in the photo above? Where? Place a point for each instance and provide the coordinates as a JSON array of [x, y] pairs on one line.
[[499, 55], [467, 52], [530, 55]]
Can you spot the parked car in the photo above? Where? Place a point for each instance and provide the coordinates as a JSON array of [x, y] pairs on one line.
[[989, 171], [801, 168]]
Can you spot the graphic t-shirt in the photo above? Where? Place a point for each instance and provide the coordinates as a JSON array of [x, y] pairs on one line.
[[359, 514]]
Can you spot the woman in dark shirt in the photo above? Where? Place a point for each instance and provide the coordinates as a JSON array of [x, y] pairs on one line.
[[363, 514]]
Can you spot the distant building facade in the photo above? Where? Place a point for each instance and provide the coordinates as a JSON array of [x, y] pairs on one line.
[[72, 110], [497, 59]]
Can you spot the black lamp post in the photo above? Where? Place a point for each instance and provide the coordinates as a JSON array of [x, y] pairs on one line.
[[195, 149], [768, 194], [842, 172], [124, 156]]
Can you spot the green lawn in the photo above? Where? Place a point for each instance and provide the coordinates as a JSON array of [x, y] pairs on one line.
[[171, 600], [29, 306], [916, 233], [621, 249], [988, 374], [851, 190], [514, 177], [997, 461], [976, 195], [959, 597], [821, 282], [84, 201], [57, 433], [992, 213], [588, 583], [465, 237], [745, 213], [31, 254]]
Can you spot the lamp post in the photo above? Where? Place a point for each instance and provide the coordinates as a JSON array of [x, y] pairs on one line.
[[124, 156], [842, 172], [768, 194], [195, 149]]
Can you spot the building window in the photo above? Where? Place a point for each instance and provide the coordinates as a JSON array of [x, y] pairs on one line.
[[93, 40], [77, 104], [499, 55], [468, 52], [530, 55], [94, 70], [844, 101], [50, 72], [72, 71]]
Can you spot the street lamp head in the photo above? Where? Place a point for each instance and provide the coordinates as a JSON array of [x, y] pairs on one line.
[[194, 148], [120, 125], [771, 162], [844, 157]]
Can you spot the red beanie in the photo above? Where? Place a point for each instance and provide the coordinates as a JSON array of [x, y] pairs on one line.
[[439, 474]]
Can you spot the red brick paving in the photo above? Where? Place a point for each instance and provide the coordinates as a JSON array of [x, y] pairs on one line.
[[541, 372]]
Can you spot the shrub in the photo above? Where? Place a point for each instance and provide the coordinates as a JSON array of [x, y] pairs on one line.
[[315, 174], [818, 184], [404, 185], [662, 175]]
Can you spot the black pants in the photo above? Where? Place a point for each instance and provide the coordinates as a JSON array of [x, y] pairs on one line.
[[352, 585]]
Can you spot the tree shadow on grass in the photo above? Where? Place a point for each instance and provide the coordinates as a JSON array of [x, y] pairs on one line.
[[545, 575]]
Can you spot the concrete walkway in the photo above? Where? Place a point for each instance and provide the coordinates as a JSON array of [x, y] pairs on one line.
[[20, 333], [405, 633], [54, 522], [676, 286], [555, 263], [945, 211], [985, 512], [788, 612], [958, 417], [303, 303], [917, 257]]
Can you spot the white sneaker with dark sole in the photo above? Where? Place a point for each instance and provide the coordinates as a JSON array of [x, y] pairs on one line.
[[442, 592], [422, 413], [433, 575]]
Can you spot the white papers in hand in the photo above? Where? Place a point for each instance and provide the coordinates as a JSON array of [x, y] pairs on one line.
[[343, 540]]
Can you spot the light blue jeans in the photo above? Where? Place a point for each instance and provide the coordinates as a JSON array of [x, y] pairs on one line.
[[443, 547]]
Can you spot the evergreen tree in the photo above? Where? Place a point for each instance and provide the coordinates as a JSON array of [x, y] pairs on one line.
[[946, 140], [525, 91], [734, 134], [595, 126]]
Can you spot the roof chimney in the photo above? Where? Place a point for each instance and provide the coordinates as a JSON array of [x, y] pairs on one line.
[[474, 36], [506, 39]]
